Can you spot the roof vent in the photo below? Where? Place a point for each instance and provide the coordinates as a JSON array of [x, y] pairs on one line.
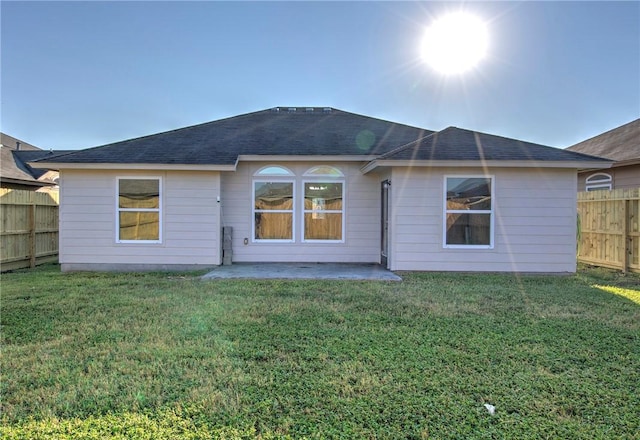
[[309, 109], [275, 109], [327, 109], [292, 109]]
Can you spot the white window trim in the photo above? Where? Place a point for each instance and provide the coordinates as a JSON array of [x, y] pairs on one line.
[[592, 183], [491, 212], [292, 211], [159, 209], [325, 179]]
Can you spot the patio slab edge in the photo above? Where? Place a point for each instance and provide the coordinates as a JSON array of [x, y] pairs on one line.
[[310, 271]]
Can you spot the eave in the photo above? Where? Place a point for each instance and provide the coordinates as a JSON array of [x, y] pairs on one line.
[[133, 166], [374, 164], [303, 158]]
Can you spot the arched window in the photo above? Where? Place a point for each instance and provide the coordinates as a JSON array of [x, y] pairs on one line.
[[273, 170], [598, 182], [273, 204], [323, 218], [324, 171]]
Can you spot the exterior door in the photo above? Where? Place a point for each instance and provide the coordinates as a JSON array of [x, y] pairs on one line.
[[384, 239]]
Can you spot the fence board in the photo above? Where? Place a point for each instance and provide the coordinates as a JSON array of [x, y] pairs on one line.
[[28, 228], [610, 228]]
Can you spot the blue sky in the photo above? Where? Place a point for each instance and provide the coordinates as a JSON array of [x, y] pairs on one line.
[[81, 74]]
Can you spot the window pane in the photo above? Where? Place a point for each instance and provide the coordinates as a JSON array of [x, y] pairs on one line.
[[473, 229], [274, 171], [273, 195], [273, 226], [598, 188], [139, 193], [469, 193], [139, 226], [322, 226], [600, 177], [323, 196], [324, 170]]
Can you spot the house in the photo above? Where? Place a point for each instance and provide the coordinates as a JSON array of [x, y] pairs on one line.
[[319, 185], [16, 173], [622, 145]]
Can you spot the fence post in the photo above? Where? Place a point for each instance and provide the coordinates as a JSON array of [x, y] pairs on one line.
[[626, 242], [32, 233]]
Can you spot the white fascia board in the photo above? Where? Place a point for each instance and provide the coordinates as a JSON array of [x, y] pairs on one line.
[[482, 164], [301, 158], [131, 166]]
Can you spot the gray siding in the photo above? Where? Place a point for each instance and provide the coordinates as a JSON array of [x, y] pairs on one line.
[[190, 222], [534, 228], [623, 177], [361, 210], [535, 222]]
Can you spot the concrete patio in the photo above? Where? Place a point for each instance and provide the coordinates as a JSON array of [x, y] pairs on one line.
[[317, 271]]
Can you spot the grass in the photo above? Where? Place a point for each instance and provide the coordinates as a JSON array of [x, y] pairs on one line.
[[167, 356]]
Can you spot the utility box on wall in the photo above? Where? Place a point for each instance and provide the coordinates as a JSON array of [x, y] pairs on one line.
[[227, 251]]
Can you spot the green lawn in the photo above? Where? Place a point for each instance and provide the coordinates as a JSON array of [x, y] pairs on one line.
[[160, 356]]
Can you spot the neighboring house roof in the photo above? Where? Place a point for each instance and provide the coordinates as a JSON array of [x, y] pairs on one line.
[[14, 155], [12, 171], [24, 157], [12, 143], [621, 144], [283, 131]]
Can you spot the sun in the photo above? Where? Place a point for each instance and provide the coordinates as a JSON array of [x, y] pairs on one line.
[[455, 43]]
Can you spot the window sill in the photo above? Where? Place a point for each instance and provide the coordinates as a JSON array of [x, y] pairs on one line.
[[467, 246]]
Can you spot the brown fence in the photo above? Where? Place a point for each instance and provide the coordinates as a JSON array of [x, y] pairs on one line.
[[609, 233], [28, 228]]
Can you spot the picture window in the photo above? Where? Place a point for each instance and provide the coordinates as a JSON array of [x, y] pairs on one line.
[[468, 212]]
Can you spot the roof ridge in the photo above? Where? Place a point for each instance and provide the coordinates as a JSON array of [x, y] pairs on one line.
[[407, 145], [414, 142], [334, 109]]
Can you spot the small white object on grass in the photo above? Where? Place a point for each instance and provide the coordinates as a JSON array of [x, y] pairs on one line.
[[490, 408]]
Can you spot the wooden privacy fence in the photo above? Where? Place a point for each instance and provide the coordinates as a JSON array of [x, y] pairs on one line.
[[609, 229], [28, 228]]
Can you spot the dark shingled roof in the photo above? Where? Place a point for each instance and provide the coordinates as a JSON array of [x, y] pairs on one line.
[[458, 144], [278, 131], [619, 144], [309, 131]]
